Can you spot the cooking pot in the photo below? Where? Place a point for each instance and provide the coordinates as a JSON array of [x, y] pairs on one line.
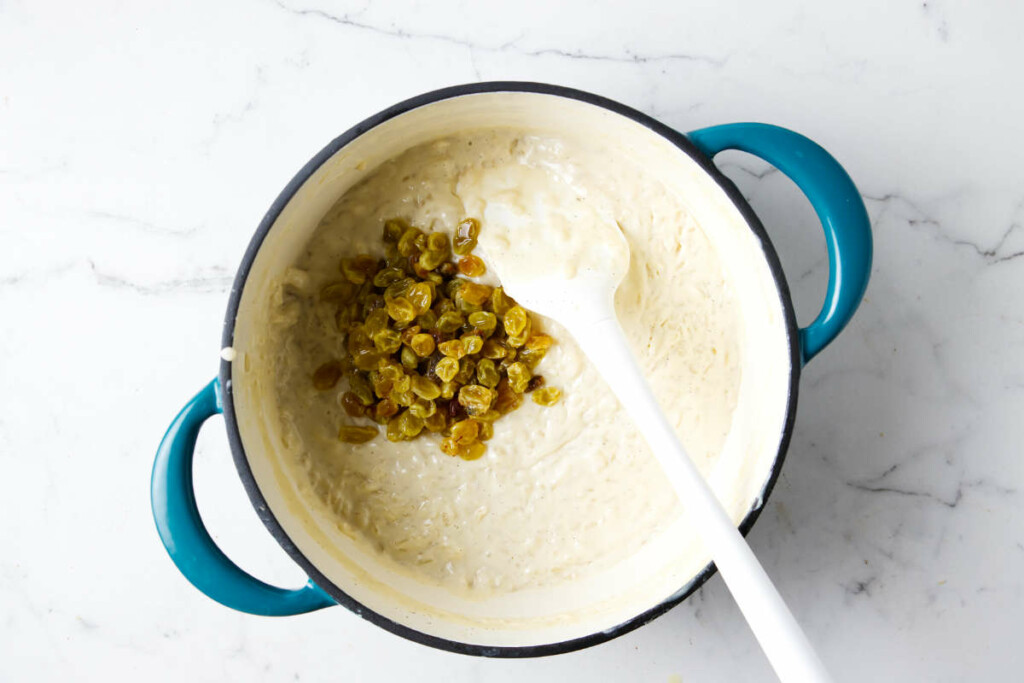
[[579, 613]]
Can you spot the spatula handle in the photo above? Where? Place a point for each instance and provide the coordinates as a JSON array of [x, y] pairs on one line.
[[780, 636]]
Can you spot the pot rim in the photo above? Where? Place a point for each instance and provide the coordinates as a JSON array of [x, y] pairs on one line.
[[227, 339]]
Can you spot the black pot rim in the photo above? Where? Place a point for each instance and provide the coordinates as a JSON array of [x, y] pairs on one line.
[[234, 438]]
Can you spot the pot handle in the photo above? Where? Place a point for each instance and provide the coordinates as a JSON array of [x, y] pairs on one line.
[[186, 539], [836, 201]]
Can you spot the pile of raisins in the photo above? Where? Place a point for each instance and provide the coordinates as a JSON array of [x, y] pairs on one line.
[[430, 351]]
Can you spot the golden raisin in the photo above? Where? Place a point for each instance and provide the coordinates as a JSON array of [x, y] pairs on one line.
[[327, 375], [407, 242], [476, 398], [409, 358], [484, 321], [350, 434], [410, 424], [449, 447], [346, 314], [474, 451], [436, 422], [486, 431], [494, 349], [467, 366], [427, 321], [338, 292], [385, 409], [409, 332], [366, 359], [375, 322], [358, 340], [361, 387], [519, 376], [449, 321], [388, 277], [402, 384], [438, 241], [531, 356], [547, 396], [389, 370], [465, 236], [394, 430], [472, 344], [536, 382], [398, 288], [420, 296], [423, 408], [393, 230], [429, 260], [352, 404], [422, 344], [387, 341], [500, 303], [515, 321], [446, 369], [358, 269], [453, 349], [452, 288], [472, 266], [507, 399], [519, 339], [401, 310], [381, 385], [424, 388], [487, 373], [539, 342], [475, 294], [465, 432]]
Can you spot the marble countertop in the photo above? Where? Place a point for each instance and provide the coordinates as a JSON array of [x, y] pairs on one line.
[[140, 144]]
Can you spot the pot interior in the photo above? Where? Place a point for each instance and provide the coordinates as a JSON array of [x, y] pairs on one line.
[[668, 563]]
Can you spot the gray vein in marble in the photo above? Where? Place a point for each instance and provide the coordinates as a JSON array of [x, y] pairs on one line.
[[942, 26], [990, 255], [628, 57], [31, 607], [474, 65], [220, 120], [814, 268], [760, 175], [947, 446], [42, 274], [219, 280], [863, 587], [32, 174], [950, 503], [966, 485], [140, 224]]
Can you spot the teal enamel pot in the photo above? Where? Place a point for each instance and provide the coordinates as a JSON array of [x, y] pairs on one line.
[[571, 618]]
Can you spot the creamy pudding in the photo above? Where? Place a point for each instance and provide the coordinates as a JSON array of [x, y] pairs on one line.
[[563, 491]]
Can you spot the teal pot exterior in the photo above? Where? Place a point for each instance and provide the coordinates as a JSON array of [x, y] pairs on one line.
[[849, 244]]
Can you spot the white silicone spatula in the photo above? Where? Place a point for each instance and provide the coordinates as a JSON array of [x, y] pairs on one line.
[[574, 281]]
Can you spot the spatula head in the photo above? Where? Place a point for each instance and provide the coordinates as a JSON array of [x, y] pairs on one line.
[[555, 251]]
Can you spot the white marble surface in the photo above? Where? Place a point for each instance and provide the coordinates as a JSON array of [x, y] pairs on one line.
[[140, 143]]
